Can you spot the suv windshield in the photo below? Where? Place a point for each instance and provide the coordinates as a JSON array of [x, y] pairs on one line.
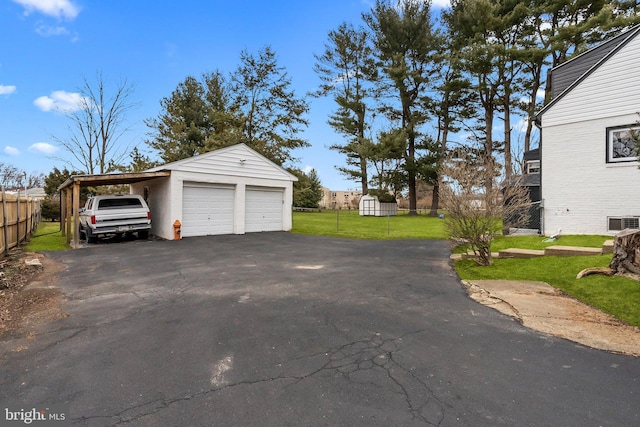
[[119, 203]]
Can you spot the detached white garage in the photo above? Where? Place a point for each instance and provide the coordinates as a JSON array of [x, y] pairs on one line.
[[234, 190]]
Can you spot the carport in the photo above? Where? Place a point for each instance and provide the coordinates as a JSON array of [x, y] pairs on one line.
[[232, 190], [70, 195]]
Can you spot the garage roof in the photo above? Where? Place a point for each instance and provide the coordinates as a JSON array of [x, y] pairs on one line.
[[112, 178]]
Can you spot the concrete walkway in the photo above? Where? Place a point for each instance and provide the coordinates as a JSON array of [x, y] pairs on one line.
[[544, 308]]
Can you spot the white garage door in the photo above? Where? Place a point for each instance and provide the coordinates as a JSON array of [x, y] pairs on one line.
[[263, 209], [207, 210]]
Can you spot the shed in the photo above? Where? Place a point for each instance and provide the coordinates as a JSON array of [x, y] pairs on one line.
[[233, 190], [371, 206]]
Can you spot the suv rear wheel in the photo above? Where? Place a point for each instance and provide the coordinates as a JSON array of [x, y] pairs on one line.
[[90, 237]]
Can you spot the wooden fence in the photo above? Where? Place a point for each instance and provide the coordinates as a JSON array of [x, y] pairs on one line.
[[19, 218]]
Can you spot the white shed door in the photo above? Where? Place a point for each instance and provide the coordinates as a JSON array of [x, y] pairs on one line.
[[207, 210], [263, 209]]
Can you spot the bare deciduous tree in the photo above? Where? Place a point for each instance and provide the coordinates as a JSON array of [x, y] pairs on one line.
[[97, 125], [476, 211], [14, 179]]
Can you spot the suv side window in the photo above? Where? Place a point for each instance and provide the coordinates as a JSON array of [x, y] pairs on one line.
[[90, 204]]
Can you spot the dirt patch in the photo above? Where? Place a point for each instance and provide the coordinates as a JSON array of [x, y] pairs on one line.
[[539, 306], [28, 296]]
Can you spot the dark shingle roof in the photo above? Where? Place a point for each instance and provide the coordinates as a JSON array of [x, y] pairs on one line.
[[568, 75]]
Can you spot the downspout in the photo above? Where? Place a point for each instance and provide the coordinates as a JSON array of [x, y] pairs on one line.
[[538, 123]]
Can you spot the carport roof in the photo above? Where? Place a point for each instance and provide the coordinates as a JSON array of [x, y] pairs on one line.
[[112, 178]]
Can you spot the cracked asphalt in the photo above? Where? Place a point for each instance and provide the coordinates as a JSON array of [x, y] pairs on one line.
[[277, 329]]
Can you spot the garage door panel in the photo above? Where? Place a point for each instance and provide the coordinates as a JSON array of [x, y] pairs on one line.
[[207, 210], [263, 209]]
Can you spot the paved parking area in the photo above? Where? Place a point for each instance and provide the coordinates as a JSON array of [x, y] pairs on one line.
[[282, 329]]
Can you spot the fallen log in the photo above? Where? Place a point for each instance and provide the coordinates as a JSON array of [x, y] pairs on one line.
[[606, 271]]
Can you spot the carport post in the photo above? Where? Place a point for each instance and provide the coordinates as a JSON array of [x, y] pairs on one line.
[[76, 214], [63, 213], [68, 214]]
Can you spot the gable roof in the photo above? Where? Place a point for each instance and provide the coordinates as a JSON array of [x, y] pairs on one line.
[[571, 73], [248, 163]]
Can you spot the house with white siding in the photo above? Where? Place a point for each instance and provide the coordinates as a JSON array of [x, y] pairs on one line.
[[590, 181]]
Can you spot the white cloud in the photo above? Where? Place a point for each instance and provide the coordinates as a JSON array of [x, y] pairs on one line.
[[43, 147], [48, 31], [308, 169], [521, 125], [12, 151], [55, 8], [60, 101], [7, 90], [441, 3]]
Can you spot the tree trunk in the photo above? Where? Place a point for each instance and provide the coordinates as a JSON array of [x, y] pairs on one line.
[[626, 252], [435, 198]]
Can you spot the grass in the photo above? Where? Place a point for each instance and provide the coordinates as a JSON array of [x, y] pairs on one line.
[[617, 296], [47, 237], [349, 224]]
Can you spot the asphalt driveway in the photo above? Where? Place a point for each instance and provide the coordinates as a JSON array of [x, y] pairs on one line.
[[282, 329]]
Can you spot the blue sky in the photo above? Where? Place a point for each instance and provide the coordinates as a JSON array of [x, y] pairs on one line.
[[47, 48]]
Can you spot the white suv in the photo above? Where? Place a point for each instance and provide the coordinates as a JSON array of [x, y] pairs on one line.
[[115, 214]]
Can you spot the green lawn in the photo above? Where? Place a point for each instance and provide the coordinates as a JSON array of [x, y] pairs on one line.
[[47, 237], [349, 224]]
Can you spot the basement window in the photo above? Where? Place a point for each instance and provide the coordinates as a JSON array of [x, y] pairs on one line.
[[616, 224]]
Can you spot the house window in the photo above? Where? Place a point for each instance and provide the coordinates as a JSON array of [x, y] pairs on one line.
[[621, 143], [533, 166], [617, 224]]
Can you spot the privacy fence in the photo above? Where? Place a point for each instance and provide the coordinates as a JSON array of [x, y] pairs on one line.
[[19, 217]]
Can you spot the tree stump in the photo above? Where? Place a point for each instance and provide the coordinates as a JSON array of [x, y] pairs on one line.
[[626, 252]]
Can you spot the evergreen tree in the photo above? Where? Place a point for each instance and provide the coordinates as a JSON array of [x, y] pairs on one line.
[[181, 129], [139, 161], [307, 191], [347, 69], [224, 116], [273, 116], [454, 101], [405, 45]]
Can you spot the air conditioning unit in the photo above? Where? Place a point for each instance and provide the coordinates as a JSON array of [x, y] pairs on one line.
[[620, 223]]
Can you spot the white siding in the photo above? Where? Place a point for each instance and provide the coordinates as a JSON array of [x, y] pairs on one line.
[[234, 161], [580, 190], [610, 91], [159, 201]]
